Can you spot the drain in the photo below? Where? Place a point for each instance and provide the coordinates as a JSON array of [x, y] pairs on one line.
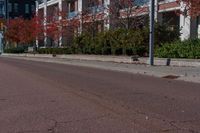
[[171, 77]]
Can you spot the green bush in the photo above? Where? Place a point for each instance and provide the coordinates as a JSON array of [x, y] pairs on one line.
[[186, 49], [166, 34], [55, 51], [15, 50], [123, 41], [116, 42]]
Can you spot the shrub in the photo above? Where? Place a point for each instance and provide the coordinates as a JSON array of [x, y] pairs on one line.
[[67, 50], [186, 49], [82, 44], [166, 34], [116, 42], [123, 41], [15, 50]]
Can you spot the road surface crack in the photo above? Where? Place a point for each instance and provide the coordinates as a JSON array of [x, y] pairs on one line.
[[177, 128], [29, 131], [57, 123]]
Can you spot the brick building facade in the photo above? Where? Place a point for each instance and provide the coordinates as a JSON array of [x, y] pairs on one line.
[[165, 10]]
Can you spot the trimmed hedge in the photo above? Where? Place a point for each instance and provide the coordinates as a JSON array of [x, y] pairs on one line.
[[187, 49], [54, 51], [123, 41], [15, 50], [116, 42]]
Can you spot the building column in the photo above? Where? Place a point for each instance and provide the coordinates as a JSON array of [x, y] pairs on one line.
[[198, 23], [80, 9], [185, 27], [60, 19], [188, 25], [156, 10], [37, 9], [107, 15], [185, 23], [69, 8], [45, 23]]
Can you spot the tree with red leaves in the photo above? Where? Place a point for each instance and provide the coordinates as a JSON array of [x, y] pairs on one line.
[[37, 23], [15, 30], [22, 31], [58, 26], [28, 32], [191, 7], [126, 13], [55, 27], [93, 17]]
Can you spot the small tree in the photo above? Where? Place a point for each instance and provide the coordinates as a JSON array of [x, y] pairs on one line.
[[22, 31], [126, 14], [15, 30], [29, 32], [58, 26], [191, 7], [93, 16], [37, 23]]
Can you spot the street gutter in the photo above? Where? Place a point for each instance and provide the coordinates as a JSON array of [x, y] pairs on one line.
[[117, 59], [120, 63]]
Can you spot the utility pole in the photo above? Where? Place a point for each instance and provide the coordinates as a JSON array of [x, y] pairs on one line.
[[151, 35]]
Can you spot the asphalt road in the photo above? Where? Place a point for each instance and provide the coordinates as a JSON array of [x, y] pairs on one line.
[[40, 97]]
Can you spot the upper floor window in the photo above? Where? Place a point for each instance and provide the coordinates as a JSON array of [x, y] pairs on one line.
[[72, 6], [32, 8], [40, 1], [27, 8], [9, 7], [2, 8], [16, 7]]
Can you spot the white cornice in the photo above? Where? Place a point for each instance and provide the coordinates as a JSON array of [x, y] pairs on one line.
[[49, 3]]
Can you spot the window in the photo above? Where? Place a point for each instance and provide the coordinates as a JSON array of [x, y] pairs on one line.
[[32, 8], [9, 7], [16, 7], [40, 1], [72, 7], [2, 8], [27, 8]]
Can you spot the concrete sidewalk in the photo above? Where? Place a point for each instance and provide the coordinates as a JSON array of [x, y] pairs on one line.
[[187, 73], [118, 59]]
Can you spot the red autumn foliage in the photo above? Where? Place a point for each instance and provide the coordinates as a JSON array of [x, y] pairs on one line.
[[55, 26], [192, 7], [14, 30], [22, 31], [126, 13], [37, 23]]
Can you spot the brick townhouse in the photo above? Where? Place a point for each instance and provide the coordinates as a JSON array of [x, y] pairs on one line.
[[165, 10]]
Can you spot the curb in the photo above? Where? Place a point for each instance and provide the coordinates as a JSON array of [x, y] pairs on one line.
[[117, 59]]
